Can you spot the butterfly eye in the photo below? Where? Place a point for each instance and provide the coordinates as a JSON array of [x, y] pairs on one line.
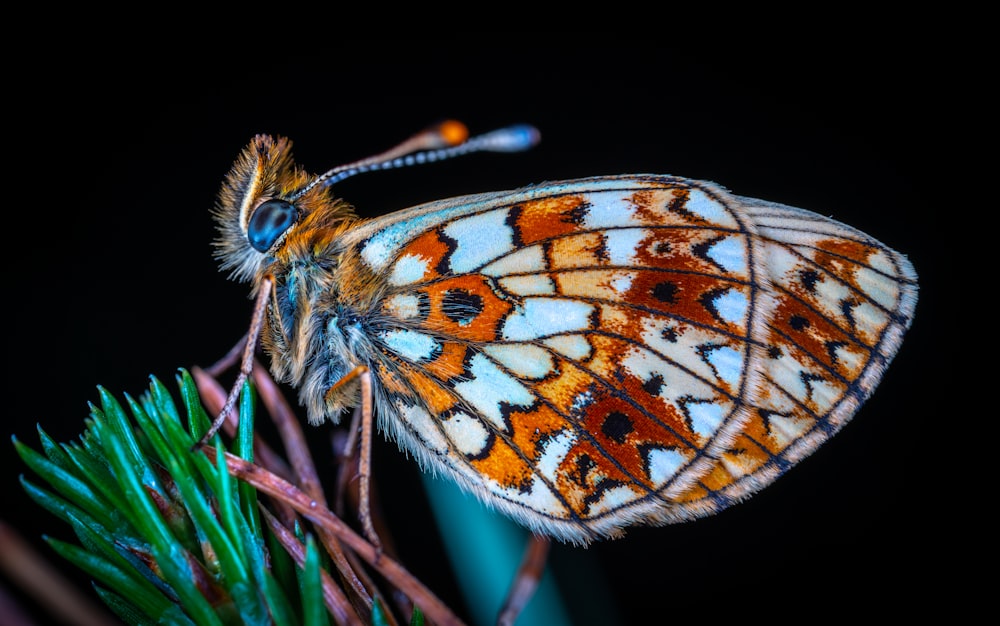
[[270, 221]]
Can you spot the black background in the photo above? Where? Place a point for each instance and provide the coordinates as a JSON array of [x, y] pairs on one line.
[[119, 149]]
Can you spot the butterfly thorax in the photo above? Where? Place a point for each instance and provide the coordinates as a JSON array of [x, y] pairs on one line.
[[317, 324]]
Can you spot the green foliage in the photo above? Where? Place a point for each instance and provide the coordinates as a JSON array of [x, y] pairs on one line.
[[164, 531]]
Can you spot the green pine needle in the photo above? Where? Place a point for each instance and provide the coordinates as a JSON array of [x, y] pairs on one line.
[[166, 533]]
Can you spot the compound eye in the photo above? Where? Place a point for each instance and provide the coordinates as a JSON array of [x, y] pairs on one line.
[[268, 222]]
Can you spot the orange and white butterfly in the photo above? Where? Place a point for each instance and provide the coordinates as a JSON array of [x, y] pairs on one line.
[[582, 355]]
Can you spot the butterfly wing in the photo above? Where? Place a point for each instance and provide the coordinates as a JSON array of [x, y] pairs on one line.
[[590, 354]]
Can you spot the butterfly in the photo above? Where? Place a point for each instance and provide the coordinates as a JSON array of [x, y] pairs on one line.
[[583, 355]]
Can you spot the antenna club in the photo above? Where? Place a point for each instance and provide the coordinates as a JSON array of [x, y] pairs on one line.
[[512, 139], [453, 132], [526, 136]]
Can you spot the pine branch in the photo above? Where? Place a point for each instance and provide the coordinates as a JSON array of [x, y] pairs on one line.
[[169, 536]]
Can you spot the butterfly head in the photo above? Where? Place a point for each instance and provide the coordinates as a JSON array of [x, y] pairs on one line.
[[265, 198]]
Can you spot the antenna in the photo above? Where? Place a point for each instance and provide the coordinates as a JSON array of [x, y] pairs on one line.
[[443, 141]]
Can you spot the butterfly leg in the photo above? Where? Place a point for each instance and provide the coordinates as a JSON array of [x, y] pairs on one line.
[[246, 364], [363, 376]]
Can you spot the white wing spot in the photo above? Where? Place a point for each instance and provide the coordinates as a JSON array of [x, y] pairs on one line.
[[728, 363], [622, 282], [612, 499], [574, 347], [663, 464], [541, 317], [422, 424], [555, 451], [710, 210], [524, 359], [410, 344], [706, 417], [621, 245], [523, 261], [410, 268], [403, 305], [730, 253], [538, 497], [467, 433], [479, 239], [732, 306], [488, 386], [608, 209]]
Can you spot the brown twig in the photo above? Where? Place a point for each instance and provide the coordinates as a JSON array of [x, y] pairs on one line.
[[529, 574], [45, 583], [230, 359], [347, 487], [335, 600], [280, 489], [214, 395], [306, 476], [348, 564], [308, 479]]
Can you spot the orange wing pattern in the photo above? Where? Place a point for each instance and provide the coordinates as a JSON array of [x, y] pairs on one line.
[[592, 354]]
